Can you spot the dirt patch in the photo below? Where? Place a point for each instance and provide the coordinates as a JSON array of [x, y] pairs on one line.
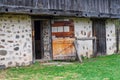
[[57, 63]]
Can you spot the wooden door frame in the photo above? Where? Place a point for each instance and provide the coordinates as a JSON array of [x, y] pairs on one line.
[[33, 38]]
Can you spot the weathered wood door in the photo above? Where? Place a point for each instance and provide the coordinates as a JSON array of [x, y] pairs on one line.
[[62, 39], [99, 31]]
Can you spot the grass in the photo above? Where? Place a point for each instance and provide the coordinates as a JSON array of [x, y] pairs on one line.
[[100, 68]]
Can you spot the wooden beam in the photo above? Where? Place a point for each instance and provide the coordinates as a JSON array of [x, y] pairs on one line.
[[86, 38], [49, 12]]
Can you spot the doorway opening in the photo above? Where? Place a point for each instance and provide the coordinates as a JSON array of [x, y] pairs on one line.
[[38, 42], [99, 31]]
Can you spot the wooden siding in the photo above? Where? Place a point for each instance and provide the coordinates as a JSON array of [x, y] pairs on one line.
[[98, 8], [115, 6]]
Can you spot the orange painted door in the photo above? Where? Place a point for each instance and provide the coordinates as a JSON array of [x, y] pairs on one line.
[[63, 38]]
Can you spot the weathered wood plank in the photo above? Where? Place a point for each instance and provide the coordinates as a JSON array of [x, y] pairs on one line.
[[1, 1], [10, 2], [69, 6], [77, 51], [89, 38]]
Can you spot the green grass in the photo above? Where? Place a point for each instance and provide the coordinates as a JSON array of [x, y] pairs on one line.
[[100, 68]]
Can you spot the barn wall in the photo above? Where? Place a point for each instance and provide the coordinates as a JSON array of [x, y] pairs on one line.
[[83, 29], [110, 37], [47, 40], [15, 40]]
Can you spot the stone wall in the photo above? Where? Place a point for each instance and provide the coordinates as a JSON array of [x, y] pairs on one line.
[[110, 37], [15, 40], [83, 29], [47, 40]]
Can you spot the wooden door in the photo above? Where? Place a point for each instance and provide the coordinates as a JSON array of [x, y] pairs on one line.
[[99, 31], [62, 39]]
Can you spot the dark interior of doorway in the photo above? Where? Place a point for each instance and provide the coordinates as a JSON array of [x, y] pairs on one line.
[[38, 39], [99, 31]]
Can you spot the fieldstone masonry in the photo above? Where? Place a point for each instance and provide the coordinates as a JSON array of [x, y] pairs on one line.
[[110, 37], [47, 40], [83, 29], [15, 40]]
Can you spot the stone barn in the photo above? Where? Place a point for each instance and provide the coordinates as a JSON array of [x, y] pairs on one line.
[[33, 30]]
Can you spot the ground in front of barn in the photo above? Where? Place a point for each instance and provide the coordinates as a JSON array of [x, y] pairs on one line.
[[100, 68]]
